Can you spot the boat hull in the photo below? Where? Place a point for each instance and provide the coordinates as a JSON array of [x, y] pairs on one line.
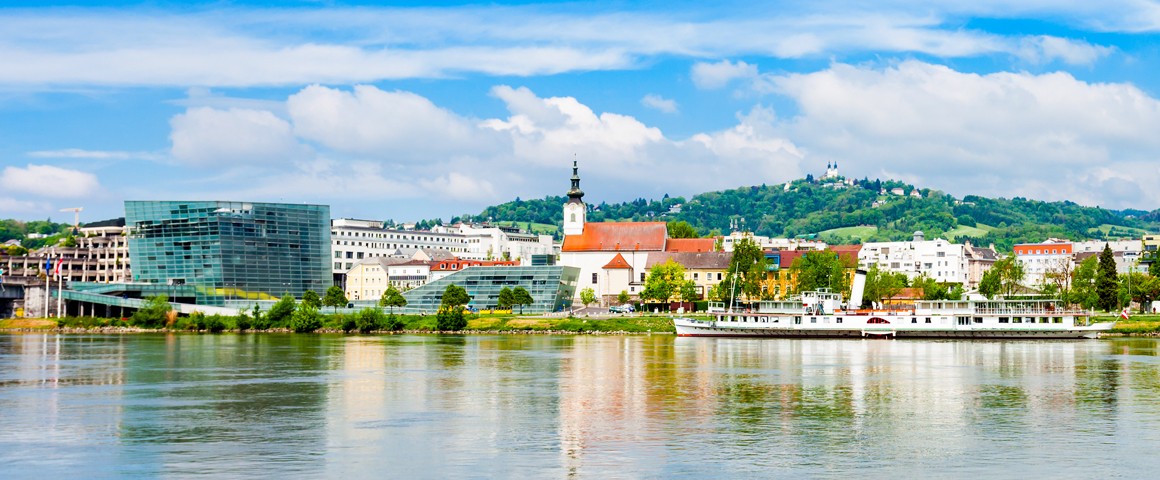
[[693, 328]]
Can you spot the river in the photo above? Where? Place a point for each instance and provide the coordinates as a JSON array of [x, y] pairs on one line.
[[538, 406]]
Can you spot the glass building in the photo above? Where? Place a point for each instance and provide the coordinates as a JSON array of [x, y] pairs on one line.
[[551, 287], [230, 250]]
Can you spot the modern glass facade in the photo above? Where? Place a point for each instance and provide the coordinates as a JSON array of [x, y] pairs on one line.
[[230, 250], [551, 287]]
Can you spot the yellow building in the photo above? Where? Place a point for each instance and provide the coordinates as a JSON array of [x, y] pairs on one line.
[[705, 269], [781, 279]]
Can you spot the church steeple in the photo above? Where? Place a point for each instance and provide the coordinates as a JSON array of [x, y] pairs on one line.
[[575, 195], [575, 212]]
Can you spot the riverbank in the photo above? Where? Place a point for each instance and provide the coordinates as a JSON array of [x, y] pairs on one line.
[[415, 324]]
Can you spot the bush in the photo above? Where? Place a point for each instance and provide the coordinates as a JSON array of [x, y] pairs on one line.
[[154, 314], [450, 321], [369, 319], [394, 323], [243, 322], [701, 306], [280, 314], [305, 319], [349, 323], [196, 321], [214, 324]]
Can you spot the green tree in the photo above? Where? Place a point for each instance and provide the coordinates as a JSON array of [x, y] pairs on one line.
[[305, 319], [69, 242], [1009, 272], [450, 316], [663, 281], [746, 272], [1107, 282], [821, 269], [17, 251], [587, 296], [991, 285], [623, 297], [681, 229], [335, 297], [369, 319], [521, 297], [310, 297], [881, 285], [454, 298], [1083, 285], [687, 290], [392, 298], [505, 299], [279, 314], [154, 313]]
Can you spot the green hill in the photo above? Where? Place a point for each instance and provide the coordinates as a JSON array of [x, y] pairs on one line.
[[858, 213]]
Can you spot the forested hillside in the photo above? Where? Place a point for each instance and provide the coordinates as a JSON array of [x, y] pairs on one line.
[[861, 212]]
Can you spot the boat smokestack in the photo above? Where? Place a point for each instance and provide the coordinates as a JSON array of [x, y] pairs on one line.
[[857, 288]]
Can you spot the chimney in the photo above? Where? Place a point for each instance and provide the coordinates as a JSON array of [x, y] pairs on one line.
[[857, 288]]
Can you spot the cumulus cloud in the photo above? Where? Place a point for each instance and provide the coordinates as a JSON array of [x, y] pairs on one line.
[[49, 181], [1048, 136], [371, 122], [659, 103], [717, 75], [210, 137], [1046, 49]]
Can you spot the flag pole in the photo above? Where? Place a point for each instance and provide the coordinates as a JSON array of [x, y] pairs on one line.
[[47, 284], [59, 287]]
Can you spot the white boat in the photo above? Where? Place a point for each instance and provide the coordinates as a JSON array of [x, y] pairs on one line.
[[821, 314]]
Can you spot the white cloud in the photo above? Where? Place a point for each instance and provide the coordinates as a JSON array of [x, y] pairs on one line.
[[82, 154], [1047, 136], [400, 126], [1045, 49], [209, 137], [659, 103], [717, 75], [45, 49], [458, 186], [49, 181]]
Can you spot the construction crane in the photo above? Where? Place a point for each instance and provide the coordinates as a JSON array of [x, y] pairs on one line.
[[76, 218]]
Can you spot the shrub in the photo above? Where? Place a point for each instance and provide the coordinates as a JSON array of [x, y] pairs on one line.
[[349, 323], [279, 315], [214, 324], [243, 322], [196, 321], [369, 319], [305, 319], [394, 323], [450, 321], [154, 313]]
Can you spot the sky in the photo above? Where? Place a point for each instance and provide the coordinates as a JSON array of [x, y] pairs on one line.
[[418, 110]]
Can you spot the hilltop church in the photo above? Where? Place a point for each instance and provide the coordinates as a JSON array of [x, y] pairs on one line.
[[612, 256]]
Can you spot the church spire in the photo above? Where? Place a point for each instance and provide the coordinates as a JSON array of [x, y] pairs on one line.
[[575, 195]]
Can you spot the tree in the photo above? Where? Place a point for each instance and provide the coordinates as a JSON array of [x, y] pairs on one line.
[[369, 319], [454, 298], [310, 297], [1083, 285], [1107, 281], [881, 285], [505, 299], [1139, 287], [1057, 278], [681, 229], [521, 297], [990, 285], [305, 319], [154, 313], [746, 272], [623, 297], [450, 316], [279, 314], [587, 296], [662, 281], [821, 269], [687, 291], [335, 297], [1009, 272], [392, 298]]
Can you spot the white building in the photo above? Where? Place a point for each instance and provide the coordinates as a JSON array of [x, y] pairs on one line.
[[937, 259], [1039, 260], [1127, 253], [353, 240], [767, 243]]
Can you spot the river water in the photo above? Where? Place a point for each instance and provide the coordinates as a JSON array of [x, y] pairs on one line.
[[533, 406]]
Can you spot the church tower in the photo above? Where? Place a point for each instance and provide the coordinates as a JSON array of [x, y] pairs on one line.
[[575, 212]]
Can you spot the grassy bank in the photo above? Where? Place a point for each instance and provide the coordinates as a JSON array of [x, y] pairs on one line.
[[339, 323], [1136, 325]]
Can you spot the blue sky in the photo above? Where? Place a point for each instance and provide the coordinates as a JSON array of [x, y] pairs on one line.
[[418, 110]]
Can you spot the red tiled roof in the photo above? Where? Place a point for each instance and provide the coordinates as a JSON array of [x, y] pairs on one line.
[[689, 245], [455, 265], [618, 262], [787, 257], [692, 260], [618, 237], [849, 253]]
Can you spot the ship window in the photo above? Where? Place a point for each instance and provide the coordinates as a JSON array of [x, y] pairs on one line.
[[1016, 320], [839, 320], [978, 319], [797, 320], [1004, 320], [913, 320], [813, 319], [1042, 319], [1057, 320], [927, 319]]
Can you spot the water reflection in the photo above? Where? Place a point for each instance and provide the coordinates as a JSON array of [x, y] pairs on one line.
[[579, 406]]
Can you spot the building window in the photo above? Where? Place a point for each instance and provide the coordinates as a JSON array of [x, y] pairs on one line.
[[695, 276], [642, 274], [594, 278]]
